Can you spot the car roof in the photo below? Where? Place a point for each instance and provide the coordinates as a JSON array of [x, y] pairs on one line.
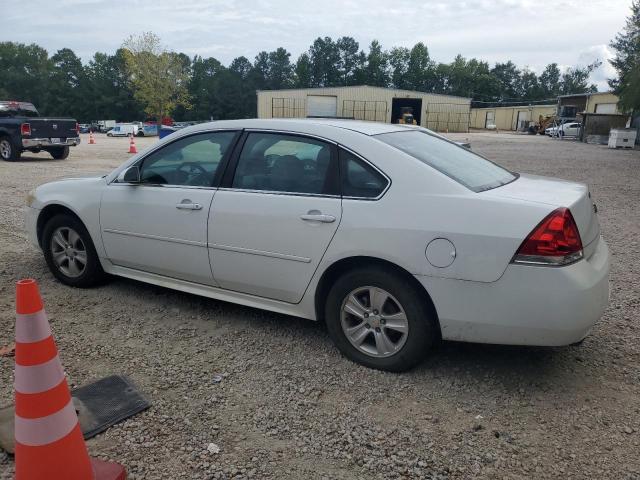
[[303, 125]]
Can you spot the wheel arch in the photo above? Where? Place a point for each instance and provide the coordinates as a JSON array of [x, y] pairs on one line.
[[338, 268], [48, 213]]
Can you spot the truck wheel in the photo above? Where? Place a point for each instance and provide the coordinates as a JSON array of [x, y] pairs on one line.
[[8, 152], [59, 153]]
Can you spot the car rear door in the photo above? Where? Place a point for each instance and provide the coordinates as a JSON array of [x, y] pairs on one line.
[[160, 225], [275, 214]]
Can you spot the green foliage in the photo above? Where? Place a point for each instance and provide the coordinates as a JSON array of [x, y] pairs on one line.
[[627, 61], [159, 77], [143, 80]]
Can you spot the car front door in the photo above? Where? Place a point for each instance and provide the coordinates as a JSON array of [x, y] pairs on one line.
[[160, 224], [275, 215]]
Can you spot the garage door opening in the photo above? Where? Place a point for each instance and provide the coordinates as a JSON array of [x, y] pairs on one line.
[[400, 106], [322, 106]]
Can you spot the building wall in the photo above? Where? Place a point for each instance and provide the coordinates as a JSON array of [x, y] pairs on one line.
[[600, 98], [438, 112], [506, 118]]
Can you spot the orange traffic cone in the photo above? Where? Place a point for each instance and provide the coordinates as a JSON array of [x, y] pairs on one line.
[[48, 439], [91, 140], [132, 146]]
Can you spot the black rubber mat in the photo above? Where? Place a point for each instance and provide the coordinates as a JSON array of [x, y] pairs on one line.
[[107, 402]]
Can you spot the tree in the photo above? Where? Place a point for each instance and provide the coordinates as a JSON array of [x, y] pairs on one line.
[[377, 68], [399, 65], [576, 79], [67, 85], [325, 58], [205, 73], [159, 77], [303, 71], [549, 80], [280, 70], [420, 69], [349, 62], [627, 61], [509, 80], [530, 88], [24, 73]]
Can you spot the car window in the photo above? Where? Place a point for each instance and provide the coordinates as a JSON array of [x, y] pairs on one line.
[[284, 163], [359, 179], [190, 161], [459, 163]]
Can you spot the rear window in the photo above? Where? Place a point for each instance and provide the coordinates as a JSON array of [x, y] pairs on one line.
[[459, 163], [17, 109]]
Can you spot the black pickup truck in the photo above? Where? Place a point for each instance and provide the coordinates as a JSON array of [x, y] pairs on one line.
[[22, 129]]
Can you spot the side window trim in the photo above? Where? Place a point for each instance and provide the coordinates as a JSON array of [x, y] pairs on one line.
[[369, 164], [218, 175], [232, 164]]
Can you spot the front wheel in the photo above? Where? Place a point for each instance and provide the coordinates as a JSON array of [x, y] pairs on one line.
[[378, 318], [69, 252]]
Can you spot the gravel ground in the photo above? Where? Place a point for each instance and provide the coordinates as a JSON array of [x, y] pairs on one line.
[[289, 406]]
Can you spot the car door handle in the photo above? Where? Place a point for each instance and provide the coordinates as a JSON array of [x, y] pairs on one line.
[[318, 217], [189, 206]]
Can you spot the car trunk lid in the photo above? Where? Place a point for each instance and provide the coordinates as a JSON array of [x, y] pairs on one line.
[[555, 193]]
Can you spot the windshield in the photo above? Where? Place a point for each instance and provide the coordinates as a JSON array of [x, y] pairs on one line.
[[459, 163]]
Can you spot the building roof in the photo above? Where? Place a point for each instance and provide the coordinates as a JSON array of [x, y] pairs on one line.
[[589, 94], [346, 87]]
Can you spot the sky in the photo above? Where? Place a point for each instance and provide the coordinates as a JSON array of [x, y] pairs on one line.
[[531, 33]]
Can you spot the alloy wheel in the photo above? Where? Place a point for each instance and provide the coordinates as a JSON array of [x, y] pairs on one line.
[[374, 321], [68, 252]]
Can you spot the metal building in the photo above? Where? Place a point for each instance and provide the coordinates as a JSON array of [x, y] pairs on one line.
[[509, 118], [434, 111]]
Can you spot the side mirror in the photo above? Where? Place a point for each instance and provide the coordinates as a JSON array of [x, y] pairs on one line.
[[130, 175]]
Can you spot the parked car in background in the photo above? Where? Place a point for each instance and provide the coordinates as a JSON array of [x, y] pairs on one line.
[[391, 234], [148, 130], [123, 130], [22, 129], [84, 128], [570, 129]]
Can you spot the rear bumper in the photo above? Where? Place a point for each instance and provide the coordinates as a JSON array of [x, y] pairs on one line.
[[46, 142], [528, 305]]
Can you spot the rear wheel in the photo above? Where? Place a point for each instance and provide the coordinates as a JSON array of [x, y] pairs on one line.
[[59, 153], [69, 252], [8, 152], [378, 318]]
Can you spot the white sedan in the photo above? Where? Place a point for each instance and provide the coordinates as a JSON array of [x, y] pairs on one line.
[[391, 234], [569, 129]]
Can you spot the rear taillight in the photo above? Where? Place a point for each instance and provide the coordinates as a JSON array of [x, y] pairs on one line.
[[555, 241], [25, 129], [77, 129]]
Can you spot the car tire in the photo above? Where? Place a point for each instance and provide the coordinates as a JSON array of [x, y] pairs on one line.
[[59, 153], [399, 351], [8, 151], [66, 244]]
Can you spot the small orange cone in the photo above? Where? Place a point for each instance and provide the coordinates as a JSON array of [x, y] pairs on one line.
[[48, 440], [132, 146], [91, 140]]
